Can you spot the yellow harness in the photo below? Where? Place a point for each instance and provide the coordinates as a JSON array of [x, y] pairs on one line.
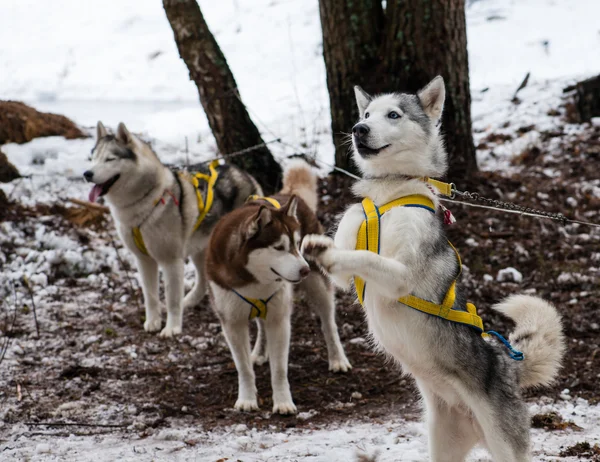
[[274, 202], [369, 239], [258, 306], [203, 206]]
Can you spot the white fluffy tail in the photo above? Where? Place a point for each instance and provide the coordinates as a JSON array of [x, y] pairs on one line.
[[299, 179], [538, 334]]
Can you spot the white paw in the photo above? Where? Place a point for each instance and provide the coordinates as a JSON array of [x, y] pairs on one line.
[[246, 405], [259, 360], [153, 324], [313, 245], [321, 250], [170, 331], [340, 365], [285, 408]]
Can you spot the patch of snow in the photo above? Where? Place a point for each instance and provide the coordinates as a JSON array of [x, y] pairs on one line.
[[509, 274], [394, 439]]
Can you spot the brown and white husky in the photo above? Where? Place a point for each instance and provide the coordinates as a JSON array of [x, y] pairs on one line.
[[252, 261]]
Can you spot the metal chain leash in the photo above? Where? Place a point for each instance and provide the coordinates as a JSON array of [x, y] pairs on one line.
[[510, 207]]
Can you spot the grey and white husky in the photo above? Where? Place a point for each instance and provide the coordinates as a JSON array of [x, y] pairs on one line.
[[470, 386], [162, 205]]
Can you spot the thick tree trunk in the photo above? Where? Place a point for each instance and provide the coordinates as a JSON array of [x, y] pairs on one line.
[[227, 116], [351, 40], [402, 50]]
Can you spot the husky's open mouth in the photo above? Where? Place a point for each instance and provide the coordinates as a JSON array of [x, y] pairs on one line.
[[286, 279], [102, 188], [366, 151]]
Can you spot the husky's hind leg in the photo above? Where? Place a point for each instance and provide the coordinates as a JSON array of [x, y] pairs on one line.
[[148, 269], [451, 432], [195, 296], [260, 354], [319, 294], [504, 421], [174, 293]]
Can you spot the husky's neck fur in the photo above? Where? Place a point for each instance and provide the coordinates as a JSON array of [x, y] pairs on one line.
[[385, 189], [134, 205]]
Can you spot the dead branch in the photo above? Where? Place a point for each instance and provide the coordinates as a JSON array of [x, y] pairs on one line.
[[76, 424], [89, 205]]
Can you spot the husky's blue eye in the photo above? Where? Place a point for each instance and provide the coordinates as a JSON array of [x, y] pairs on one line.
[[394, 115], [367, 115]]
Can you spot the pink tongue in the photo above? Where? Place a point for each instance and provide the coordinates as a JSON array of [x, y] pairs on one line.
[[95, 193]]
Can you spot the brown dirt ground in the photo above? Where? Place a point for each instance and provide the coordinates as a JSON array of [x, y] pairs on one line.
[[205, 390]]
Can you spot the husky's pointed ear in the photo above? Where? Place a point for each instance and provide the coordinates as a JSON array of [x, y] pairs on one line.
[[257, 222], [101, 130], [292, 207], [432, 98], [362, 100], [123, 134]]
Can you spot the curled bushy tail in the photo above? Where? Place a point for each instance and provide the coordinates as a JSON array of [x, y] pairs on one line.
[[538, 334], [299, 179]]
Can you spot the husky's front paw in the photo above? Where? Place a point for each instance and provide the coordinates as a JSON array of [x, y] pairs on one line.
[[284, 408], [313, 245], [320, 249], [170, 331], [340, 365], [152, 324], [246, 405]]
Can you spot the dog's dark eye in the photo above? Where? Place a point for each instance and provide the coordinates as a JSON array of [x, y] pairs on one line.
[[279, 247], [110, 160], [394, 115], [367, 115]]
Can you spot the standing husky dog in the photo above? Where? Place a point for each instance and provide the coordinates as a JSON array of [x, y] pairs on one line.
[[471, 387], [252, 261], [157, 212]]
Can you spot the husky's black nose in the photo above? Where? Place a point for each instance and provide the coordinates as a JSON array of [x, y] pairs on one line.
[[88, 175], [304, 271], [360, 130]]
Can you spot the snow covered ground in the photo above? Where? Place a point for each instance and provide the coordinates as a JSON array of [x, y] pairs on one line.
[[394, 440], [116, 61]]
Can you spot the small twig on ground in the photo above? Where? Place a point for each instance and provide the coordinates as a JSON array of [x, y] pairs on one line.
[[89, 205], [28, 287], [523, 85], [76, 424], [67, 434], [133, 293], [19, 394]]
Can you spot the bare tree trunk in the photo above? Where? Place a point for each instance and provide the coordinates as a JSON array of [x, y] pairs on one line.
[[351, 40], [227, 116], [402, 49]]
